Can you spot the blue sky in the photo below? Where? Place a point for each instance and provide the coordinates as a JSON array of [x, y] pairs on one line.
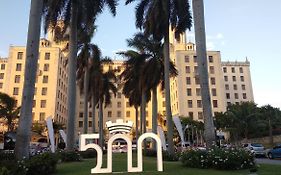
[[239, 29]]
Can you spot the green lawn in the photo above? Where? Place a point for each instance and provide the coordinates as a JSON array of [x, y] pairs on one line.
[[170, 168]]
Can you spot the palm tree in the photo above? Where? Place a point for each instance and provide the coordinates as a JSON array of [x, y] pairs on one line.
[[106, 86], [132, 76], [74, 13], [32, 46], [85, 58], [8, 109], [154, 65], [155, 17], [200, 37]]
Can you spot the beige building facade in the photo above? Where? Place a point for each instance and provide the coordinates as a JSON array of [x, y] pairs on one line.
[[50, 88]]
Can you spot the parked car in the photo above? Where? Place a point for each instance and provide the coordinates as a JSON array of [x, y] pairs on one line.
[[275, 152], [255, 148]]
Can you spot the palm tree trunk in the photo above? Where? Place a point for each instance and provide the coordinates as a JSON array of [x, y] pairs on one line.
[[71, 92], [270, 132], [32, 49], [94, 114], [143, 105], [200, 37], [154, 114], [137, 122], [100, 124], [86, 84], [167, 93]]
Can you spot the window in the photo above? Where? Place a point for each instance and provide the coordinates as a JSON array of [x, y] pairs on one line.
[[119, 95], [45, 79], [236, 95], [233, 78], [80, 124], [241, 69], [214, 92], [195, 69], [224, 69], [16, 91], [198, 92], [109, 114], [119, 114], [18, 67], [212, 69], [235, 86], [244, 96], [46, 67], [190, 114], [43, 104], [195, 59], [187, 69], [1, 85], [34, 103], [128, 114], [233, 69], [226, 87], [42, 116], [199, 103], [17, 79], [90, 123], [225, 78], [47, 56], [189, 103], [211, 59], [189, 92], [197, 80], [243, 87], [186, 59], [188, 80], [20, 55], [242, 78], [90, 114], [127, 104], [213, 81], [119, 104], [81, 114], [35, 91], [227, 95], [3, 66], [200, 115], [44, 91], [215, 103], [228, 103]]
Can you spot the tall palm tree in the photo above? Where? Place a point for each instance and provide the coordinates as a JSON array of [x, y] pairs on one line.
[[88, 53], [200, 37], [8, 109], [153, 69], [155, 17], [106, 86], [74, 13], [32, 46]]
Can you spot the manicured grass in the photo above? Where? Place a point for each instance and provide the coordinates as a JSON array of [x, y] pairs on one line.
[[170, 168]]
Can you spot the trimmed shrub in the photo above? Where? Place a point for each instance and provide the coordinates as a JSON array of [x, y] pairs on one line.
[[166, 155], [219, 158], [69, 156], [89, 153]]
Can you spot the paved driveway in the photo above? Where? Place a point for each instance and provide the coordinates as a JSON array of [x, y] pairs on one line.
[[268, 161]]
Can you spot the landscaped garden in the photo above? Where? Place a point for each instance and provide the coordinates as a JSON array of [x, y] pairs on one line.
[[170, 168]]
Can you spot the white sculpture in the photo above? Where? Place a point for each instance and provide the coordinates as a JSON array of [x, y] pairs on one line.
[[83, 146]]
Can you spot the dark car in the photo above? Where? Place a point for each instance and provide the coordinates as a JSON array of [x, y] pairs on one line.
[[9, 140], [275, 152]]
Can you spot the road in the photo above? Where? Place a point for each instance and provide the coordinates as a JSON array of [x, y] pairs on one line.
[[268, 161]]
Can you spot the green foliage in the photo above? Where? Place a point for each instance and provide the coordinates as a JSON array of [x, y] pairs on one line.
[[219, 158], [165, 154], [43, 164], [90, 153], [69, 156]]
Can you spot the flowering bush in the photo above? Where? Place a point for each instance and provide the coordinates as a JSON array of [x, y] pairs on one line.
[[218, 158]]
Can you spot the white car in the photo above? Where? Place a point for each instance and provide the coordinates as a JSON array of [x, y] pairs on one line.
[[255, 148]]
